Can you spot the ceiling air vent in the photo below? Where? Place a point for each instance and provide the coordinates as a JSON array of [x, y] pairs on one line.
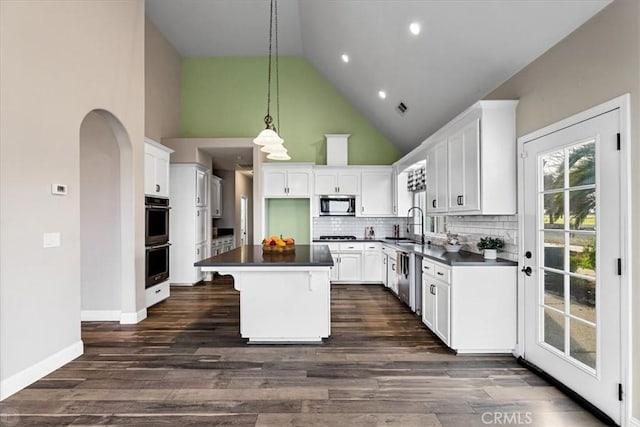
[[402, 108]]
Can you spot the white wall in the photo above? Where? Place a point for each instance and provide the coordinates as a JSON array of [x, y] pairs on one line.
[[229, 211], [59, 60], [596, 63], [100, 252]]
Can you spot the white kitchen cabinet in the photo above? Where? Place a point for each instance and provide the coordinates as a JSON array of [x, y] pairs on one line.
[[463, 154], [156, 293], [215, 183], [329, 181], [402, 197], [350, 267], [156, 169], [435, 299], [201, 187], [290, 181], [392, 273], [376, 193], [189, 223], [372, 261], [471, 162], [437, 189], [472, 309]]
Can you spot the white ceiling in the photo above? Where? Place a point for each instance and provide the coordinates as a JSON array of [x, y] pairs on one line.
[[466, 47]]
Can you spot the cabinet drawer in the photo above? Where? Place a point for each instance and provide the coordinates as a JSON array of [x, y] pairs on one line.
[[442, 273], [372, 246], [157, 293], [428, 268], [351, 246]]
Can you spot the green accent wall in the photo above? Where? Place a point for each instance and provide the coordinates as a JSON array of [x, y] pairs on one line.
[[227, 97], [289, 217]]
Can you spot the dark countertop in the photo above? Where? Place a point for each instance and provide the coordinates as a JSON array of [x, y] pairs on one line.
[[437, 253], [252, 256]]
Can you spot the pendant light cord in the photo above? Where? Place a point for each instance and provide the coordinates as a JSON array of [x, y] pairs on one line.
[[268, 120], [277, 74]]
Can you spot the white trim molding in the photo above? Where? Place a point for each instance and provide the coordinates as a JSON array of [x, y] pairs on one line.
[[133, 318], [634, 422], [100, 315], [33, 373]]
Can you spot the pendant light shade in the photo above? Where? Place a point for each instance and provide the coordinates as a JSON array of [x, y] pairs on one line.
[[268, 137], [278, 156], [273, 148]]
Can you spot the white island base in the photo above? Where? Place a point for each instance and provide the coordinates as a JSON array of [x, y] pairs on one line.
[[282, 304]]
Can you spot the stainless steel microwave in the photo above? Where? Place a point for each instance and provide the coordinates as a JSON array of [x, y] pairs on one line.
[[337, 205]]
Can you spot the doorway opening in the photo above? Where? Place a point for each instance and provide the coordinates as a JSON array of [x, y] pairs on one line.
[[107, 259]]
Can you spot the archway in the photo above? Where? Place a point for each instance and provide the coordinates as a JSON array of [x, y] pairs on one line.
[[107, 240]]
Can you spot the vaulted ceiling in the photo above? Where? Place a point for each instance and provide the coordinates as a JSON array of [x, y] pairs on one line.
[[465, 48]]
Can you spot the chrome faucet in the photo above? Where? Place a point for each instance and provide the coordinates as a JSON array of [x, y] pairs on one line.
[[421, 222]]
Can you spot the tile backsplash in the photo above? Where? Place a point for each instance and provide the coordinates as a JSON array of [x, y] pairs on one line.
[[469, 228], [354, 226], [472, 227]]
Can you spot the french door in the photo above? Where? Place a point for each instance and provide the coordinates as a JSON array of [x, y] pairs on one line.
[[572, 244]]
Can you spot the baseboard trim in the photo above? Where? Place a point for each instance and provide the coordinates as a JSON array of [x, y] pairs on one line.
[[133, 318], [28, 376], [100, 315], [634, 422]]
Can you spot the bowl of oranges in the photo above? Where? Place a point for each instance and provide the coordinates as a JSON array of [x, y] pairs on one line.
[[278, 244]]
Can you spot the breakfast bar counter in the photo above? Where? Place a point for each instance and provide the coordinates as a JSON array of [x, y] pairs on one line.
[[284, 296]]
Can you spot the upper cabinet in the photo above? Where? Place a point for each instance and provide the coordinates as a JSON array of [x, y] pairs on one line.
[[287, 181], [437, 188], [336, 181], [156, 169], [216, 196], [201, 187], [471, 162], [377, 192]]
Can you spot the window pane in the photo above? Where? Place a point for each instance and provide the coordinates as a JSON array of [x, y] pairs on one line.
[[582, 254], [582, 164], [554, 249], [553, 210], [554, 329], [582, 209], [554, 290], [583, 343], [583, 298], [553, 170]]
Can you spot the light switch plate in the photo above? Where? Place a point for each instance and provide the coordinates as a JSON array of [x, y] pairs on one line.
[[51, 240], [59, 189]]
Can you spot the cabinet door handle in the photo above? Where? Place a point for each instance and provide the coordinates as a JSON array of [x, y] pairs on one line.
[[338, 189], [362, 209], [440, 273], [433, 203], [197, 213], [157, 188], [158, 291], [198, 251], [395, 209]]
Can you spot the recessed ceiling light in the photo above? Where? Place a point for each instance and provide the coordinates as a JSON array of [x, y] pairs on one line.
[[414, 27], [345, 58], [382, 94]]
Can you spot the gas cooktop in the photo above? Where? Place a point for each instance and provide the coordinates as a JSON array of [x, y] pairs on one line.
[[337, 237]]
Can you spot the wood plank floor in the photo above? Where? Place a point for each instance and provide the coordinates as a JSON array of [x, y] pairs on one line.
[[187, 365]]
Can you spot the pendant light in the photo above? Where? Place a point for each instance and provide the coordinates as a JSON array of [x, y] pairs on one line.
[[269, 138]]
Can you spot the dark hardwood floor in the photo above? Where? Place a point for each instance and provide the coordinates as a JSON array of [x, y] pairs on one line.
[[187, 365]]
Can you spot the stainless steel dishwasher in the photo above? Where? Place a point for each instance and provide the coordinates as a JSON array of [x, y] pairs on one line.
[[405, 267]]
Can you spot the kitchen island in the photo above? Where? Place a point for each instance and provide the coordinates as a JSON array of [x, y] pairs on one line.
[[285, 297]]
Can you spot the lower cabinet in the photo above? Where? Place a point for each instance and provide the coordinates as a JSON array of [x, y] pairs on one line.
[[435, 307], [350, 267], [372, 261], [472, 309], [157, 293]]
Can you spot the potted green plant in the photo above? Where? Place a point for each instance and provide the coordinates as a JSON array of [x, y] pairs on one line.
[[490, 246]]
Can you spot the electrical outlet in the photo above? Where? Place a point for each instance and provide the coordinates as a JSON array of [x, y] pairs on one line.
[[51, 240]]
